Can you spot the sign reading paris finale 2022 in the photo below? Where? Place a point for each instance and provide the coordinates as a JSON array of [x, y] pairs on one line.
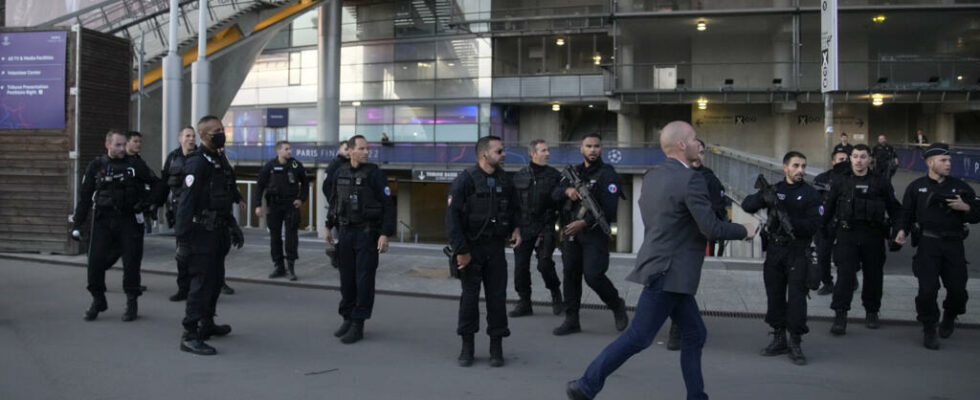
[[32, 80]]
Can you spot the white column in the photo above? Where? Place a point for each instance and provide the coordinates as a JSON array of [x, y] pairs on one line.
[[172, 70], [328, 85], [201, 70]]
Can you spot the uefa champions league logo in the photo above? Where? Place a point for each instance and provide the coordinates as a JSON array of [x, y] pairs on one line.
[[615, 156], [6, 41]]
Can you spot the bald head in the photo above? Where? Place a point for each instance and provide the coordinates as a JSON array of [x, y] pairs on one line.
[[678, 140]]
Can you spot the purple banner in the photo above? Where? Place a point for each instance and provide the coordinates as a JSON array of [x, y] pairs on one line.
[[32, 80], [447, 153]]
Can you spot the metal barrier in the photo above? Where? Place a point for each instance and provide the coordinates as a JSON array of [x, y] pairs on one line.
[[401, 232], [738, 170], [250, 207]]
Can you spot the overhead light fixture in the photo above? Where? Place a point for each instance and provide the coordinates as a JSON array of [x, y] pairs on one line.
[[356, 104], [878, 18], [702, 103], [597, 59], [959, 77], [702, 26], [591, 106], [560, 41], [556, 107], [451, 64], [877, 99]]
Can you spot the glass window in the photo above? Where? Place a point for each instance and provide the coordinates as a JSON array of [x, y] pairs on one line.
[[295, 65], [374, 115], [305, 116], [280, 41], [415, 51], [456, 133], [414, 133], [505, 56], [414, 70], [413, 114], [460, 114], [532, 55], [347, 115]]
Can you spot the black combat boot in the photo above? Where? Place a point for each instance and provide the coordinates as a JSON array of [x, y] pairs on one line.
[[496, 351], [795, 351], [179, 296], [132, 307], [99, 304], [344, 327], [871, 320], [929, 338], [619, 315], [674, 337], [225, 289], [557, 302], [192, 343], [290, 273], [466, 353], [522, 308], [355, 333], [570, 325], [208, 328], [840, 323], [947, 324], [278, 272], [778, 345]]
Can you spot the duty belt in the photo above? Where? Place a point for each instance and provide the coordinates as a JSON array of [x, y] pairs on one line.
[[949, 235], [209, 219]]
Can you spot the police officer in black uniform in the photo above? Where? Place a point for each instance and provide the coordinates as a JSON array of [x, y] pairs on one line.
[[118, 183], [172, 177], [206, 230], [482, 218], [534, 184], [843, 146], [824, 239], [364, 216], [283, 181], [862, 204], [585, 247], [327, 188], [787, 260], [935, 210], [886, 160], [716, 193]]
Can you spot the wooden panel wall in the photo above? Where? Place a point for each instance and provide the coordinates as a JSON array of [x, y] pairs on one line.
[[37, 174]]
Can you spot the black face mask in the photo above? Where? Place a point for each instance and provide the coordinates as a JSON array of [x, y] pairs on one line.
[[218, 140]]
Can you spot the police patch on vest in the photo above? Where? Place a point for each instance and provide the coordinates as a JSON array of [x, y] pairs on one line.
[[781, 196], [295, 165], [189, 180], [612, 188], [820, 209], [387, 191]]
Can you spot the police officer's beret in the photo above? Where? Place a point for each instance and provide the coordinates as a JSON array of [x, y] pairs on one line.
[[936, 149]]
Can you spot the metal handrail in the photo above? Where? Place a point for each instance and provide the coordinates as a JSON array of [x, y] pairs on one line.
[[401, 233]]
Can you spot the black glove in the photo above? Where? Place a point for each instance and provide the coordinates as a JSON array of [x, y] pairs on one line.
[[237, 237]]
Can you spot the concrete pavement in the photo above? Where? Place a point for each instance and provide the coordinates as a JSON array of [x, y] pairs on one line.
[[281, 347], [727, 286]]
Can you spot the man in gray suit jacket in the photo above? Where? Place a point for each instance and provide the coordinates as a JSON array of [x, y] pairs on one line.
[[678, 222]]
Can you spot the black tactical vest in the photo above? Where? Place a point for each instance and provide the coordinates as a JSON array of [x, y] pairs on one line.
[[488, 207], [534, 193], [175, 179], [220, 192], [356, 200], [283, 183], [116, 185], [574, 210], [862, 202]]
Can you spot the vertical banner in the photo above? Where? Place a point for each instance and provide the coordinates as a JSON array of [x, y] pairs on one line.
[[32, 80], [828, 45]]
